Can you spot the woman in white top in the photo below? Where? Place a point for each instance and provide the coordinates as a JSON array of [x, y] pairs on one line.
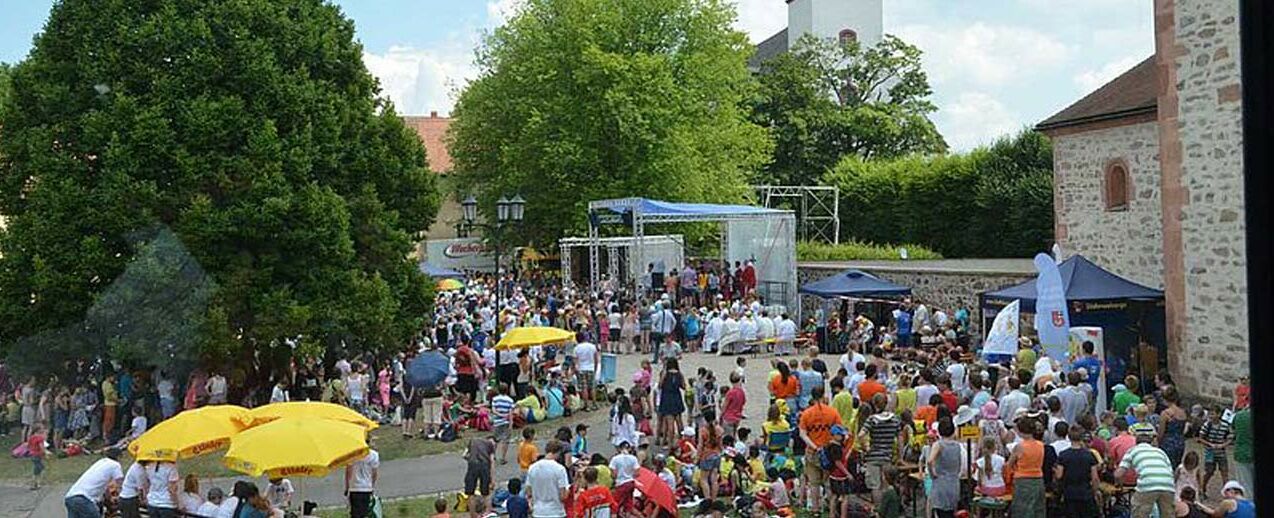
[[161, 497], [624, 425], [990, 470], [190, 499]]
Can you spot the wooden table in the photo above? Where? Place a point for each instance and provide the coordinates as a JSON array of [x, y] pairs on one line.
[[1115, 494]]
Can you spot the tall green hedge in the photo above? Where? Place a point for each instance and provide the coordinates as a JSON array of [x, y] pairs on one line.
[[994, 201]]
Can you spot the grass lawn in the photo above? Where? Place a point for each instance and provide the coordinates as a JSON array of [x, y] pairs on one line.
[[387, 440]]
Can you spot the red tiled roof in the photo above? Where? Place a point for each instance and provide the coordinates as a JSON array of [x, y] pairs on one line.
[[433, 132], [1135, 92]]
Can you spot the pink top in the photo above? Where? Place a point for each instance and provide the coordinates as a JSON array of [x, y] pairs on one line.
[[732, 412]]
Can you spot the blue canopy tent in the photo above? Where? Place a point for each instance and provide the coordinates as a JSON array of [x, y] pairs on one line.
[[856, 284], [1127, 312], [438, 272]]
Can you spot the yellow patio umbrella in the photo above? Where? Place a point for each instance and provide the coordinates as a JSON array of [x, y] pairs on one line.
[[191, 433], [294, 447], [523, 337], [308, 410], [450, 285]]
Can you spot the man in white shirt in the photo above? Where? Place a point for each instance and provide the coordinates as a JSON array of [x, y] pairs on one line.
[[1014, 400], [360, 483], [280, 392], [765, 327], [162, 488], [547, 484], [82, 499], [729, 342], [747, 331], [624, 465], [662, 323], [586, 360], [712, 332], [786, 335]]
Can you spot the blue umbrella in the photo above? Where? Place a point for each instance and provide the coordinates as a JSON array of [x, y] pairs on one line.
[[428, 370]]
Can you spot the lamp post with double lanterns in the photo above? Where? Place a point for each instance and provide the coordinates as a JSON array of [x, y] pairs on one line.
[[507, 211]]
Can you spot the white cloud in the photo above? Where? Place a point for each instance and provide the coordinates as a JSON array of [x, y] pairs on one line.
[[986, 55], [975, 118], [760, 19], [423, 80], [1091, 79], [500, 11]]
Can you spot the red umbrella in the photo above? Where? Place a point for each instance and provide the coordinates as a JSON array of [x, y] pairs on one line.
[[654, 488]]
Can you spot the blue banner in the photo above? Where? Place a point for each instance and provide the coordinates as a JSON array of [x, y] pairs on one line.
[[1052, 321]]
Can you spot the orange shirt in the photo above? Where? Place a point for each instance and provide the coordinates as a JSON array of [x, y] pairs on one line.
[[590, 500], [1030, 463], [817, 422], [928, 414], [869, 388], [781, 390], [527, 453]]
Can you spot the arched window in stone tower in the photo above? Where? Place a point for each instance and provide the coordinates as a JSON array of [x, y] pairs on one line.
[[848, 36], [1116, 185]]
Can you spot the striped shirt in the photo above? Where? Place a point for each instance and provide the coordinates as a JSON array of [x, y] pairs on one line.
[[883, 432], [1154, 470], [1216, 432], [501, 406]]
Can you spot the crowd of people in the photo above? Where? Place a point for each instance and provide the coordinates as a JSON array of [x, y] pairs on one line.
[[866, 434]]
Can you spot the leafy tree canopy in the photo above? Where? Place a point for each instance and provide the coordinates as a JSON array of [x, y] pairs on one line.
[[226, 168], [579, 100], [824, 100], [994, 201]]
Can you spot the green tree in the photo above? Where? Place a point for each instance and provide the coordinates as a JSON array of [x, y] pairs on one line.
[[251, 130], [994, 201], [826, 100], [5, 70], [578, 100]]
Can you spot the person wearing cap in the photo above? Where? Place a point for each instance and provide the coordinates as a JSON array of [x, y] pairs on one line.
[[1155, 487], [815, 425], [1236, 503], [624, 465], [84, 495]]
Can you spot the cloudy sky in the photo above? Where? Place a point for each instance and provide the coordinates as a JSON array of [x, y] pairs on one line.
[[995, 65]]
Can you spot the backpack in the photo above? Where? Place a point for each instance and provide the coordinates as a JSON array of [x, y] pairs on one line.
[[825, 460], [448, 433]]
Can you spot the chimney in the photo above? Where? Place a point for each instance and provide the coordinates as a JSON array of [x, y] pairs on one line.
[[433, 115]]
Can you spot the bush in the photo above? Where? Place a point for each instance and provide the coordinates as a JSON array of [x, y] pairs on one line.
[[858, 251], [994, 201]]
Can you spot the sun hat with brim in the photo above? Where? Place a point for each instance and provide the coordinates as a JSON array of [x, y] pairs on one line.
[[990, 410], [964, 415], [1233, 485], [688, 431]]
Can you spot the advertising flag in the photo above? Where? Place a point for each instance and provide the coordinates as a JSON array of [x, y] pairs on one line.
[[1002, 339], [1052, 321]]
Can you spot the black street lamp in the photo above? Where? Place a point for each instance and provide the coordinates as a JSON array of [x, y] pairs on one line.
[[507, 211]]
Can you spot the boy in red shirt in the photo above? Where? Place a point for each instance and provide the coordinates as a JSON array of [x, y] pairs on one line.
[[594, 501], [37, 451], [732, 409]]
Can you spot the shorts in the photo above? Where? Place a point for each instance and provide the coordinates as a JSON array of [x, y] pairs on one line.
[[624, 496], [501, 433], [712, 463], [584, 379], [477, 478], [467, 384], [433, 410], [37, 465], [840, 486], [873, 473], [409, 410], [1215, 459], [814, 473]]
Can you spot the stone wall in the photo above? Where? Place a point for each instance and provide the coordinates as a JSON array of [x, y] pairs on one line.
[[1198, 44], [937, 288], [1127, 242]]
